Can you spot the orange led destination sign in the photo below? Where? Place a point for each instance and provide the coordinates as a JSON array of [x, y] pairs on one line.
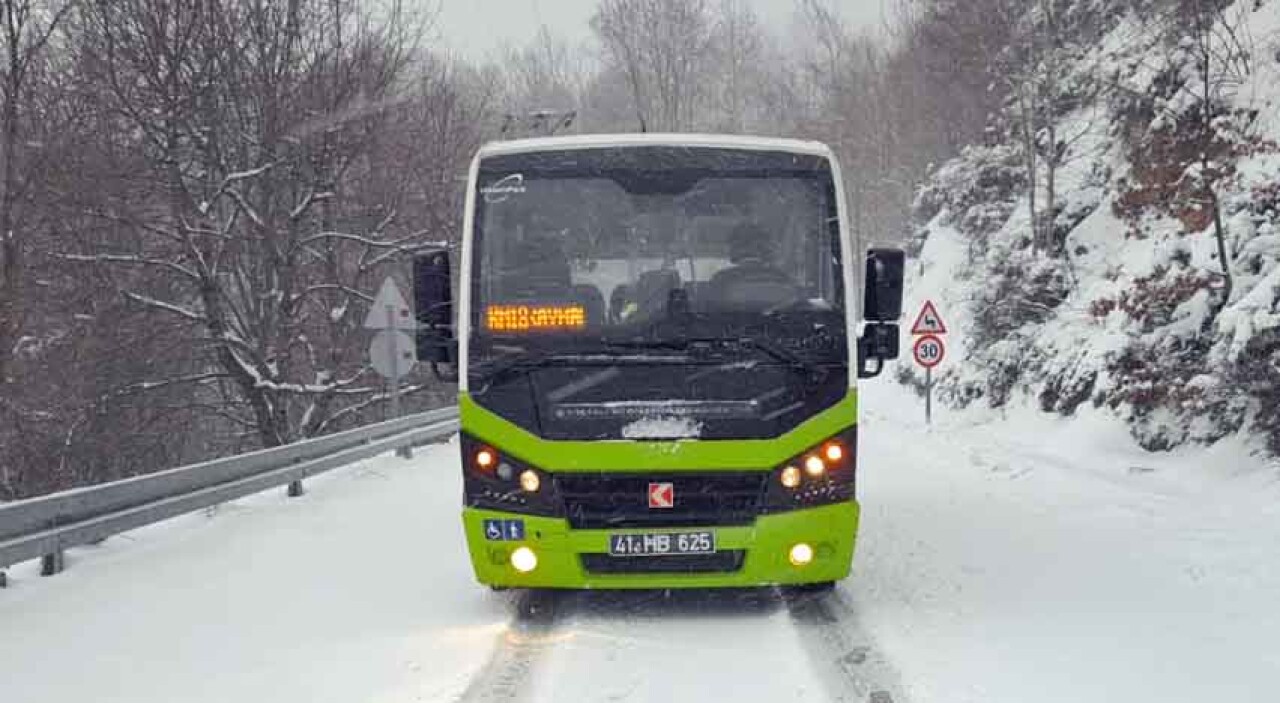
[[533, 318]]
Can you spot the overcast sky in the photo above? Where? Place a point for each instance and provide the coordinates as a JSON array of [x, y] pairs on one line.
[[476, 27]]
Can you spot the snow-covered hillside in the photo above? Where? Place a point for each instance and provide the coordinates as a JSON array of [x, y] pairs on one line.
[[1132, 312]]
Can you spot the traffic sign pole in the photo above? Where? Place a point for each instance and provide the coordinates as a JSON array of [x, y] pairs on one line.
[[390, 350], [393, 359], [928, 396]]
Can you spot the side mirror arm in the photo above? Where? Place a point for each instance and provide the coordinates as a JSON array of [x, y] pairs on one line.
[[445, 373], [433, 298]]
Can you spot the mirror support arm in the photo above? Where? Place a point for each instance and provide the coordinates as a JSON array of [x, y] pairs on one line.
[[446, 374]]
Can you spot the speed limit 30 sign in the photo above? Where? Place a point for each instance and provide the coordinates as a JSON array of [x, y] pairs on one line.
[[929, 351]]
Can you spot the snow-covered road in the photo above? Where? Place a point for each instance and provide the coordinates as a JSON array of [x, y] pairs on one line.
[[1009, 560]]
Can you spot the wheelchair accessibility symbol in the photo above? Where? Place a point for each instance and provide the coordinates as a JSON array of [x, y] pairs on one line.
[[504, 530]]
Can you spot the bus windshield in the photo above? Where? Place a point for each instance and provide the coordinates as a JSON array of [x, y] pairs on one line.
[[592, 249]]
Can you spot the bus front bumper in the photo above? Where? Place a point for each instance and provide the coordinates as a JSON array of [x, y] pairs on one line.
[[765, 549]]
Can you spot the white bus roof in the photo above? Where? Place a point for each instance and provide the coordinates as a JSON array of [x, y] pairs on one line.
[[601, 141]]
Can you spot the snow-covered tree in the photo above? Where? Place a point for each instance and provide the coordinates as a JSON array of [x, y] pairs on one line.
[[258, 199]]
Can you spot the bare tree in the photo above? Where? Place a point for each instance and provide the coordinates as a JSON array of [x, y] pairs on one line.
[[1221, 62], [662, 48], [739, 56], [26, 27], [256, 123], [546, 74], [1190, 130]]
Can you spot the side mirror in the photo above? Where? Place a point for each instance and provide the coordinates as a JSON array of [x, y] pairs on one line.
[[433, 301], [882, 301], [878, 343], [882, 308]]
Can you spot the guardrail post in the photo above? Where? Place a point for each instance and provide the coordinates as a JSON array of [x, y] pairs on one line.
[[51, 564], [295, 486], [4, 580], [405, 452]]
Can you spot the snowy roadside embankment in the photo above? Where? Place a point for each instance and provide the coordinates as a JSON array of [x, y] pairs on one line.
[[1129, 309]]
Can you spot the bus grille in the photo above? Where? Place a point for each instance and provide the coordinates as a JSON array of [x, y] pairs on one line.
[[725, 562], [621, 501]]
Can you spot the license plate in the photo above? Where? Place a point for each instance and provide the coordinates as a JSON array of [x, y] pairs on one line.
[[660, 544]]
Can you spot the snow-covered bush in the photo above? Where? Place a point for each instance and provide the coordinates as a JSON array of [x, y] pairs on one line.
[[1165, 180]]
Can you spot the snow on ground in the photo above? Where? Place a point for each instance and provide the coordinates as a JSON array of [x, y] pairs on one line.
[[1003, 559], [360, 591], [1042, 559], [679, 647]]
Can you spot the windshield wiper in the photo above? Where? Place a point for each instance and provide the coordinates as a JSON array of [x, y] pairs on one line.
[[525, 360], [671, 343], [811, 371], [522, 360], [529, 359]]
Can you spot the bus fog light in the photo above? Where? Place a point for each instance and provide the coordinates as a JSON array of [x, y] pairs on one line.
[[801, 554], [814, 466], [506, 471], [524, 560], [790, 477], [530, 482]]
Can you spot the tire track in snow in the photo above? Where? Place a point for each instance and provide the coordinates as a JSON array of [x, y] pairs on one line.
[[843, 653], [521, 648]]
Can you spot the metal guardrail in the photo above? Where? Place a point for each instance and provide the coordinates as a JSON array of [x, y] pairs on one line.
[[45, 526]]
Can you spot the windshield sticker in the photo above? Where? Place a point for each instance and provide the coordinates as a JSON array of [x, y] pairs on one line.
[[500, 190], [663, 428]]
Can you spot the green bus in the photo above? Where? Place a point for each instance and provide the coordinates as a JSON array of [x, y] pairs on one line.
[[656, 345]]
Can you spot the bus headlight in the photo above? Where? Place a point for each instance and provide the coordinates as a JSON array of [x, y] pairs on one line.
[[833, 452], [790, 477], [529, 481], [823, 475], [492, 479]]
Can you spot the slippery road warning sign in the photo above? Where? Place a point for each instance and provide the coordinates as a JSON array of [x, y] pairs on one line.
[[929, 351], [929, 321]]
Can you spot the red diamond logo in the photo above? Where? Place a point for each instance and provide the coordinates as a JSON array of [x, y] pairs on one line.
[[662, 496]]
